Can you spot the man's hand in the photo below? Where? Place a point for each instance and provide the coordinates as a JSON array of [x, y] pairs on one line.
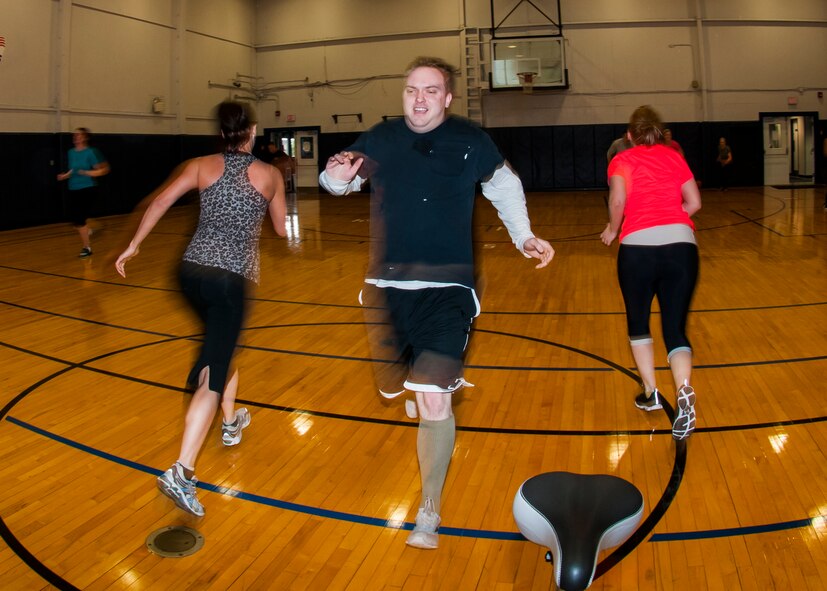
[[344, 166], [539, 249]]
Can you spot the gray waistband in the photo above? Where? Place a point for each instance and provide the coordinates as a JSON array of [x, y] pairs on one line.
[[660, 235]]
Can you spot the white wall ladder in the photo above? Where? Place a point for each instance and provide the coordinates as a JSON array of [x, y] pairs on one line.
[[472, 73]]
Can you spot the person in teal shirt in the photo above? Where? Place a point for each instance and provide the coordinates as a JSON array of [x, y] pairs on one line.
[[86, 164]]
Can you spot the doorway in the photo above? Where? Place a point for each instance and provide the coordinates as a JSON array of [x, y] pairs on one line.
[[789, 148], [301, 144]]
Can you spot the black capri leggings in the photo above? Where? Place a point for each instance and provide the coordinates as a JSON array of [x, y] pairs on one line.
[[218, 297], [669, 272]]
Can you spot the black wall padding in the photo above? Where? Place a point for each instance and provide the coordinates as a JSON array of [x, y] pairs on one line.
[[547, 158], [571, 157], [585, 175], [30, 194], [543, 163], [28, 188]]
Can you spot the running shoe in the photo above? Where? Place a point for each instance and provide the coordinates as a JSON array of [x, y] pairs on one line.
[[685, 420], [231, 434], [424, 532], [181, 489], [650, 402]]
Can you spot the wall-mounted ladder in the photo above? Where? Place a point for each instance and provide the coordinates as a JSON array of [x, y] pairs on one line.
[[472, 72]]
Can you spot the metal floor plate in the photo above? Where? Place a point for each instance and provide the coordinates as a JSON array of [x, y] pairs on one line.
[[174, 541]]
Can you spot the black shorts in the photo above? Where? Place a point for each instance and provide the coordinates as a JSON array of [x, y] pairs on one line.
[[422, 345], [80, 204], [219, 299]]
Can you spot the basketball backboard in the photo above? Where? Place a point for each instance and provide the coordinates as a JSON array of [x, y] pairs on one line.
[[544, 56]]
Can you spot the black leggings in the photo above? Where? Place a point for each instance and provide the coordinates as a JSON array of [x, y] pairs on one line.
[[218, 297], [668, 272]]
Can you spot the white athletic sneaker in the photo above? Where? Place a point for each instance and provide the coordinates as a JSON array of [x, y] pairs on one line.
[[650, 402], [685, 419], [424, 532], [180, 489], [231, 434]]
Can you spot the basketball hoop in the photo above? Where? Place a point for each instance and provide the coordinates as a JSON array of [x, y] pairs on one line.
[[527, 80]]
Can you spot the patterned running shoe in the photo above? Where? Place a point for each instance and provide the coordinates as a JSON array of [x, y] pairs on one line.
[[685, 419], [231, 434], [181, 489]]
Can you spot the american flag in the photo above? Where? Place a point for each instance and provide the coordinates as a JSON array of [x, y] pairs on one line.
[[2, 41]]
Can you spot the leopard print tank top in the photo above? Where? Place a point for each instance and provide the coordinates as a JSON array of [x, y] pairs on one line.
[[229, 225]]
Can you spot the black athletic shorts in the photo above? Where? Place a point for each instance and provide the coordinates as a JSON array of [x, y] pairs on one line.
[[426, 339], [80, 204]]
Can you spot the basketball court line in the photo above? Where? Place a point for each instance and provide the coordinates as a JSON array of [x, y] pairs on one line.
[[521, 431], [485, 312], [392, 524], [615, 557]]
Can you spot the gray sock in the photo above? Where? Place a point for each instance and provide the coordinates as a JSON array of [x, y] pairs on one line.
[[434, 447]]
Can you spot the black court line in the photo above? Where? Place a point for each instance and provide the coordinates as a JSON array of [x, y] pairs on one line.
[[392, 524], [610, 366], [638, 537], [759, 224], [390, 422], [616, 556], [360, 307], [84, 320], [365, 239], [605, 565], [619, 553], [32, 562]]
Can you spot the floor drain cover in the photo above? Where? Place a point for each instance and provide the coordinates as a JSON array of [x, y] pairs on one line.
[[175, 541]]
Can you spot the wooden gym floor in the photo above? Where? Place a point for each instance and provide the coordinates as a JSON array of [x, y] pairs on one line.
[[319, 492]]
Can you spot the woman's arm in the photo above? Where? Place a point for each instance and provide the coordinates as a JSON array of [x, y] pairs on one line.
[[183, 180], [278, 207], [617, 203], [691, 197]]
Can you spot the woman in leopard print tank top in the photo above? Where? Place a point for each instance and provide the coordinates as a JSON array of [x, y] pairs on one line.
[[236, 191]]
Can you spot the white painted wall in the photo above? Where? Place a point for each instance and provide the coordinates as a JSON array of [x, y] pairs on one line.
[[339, 81], [100, 63], [746, 56], [281, 22], [27, 73]]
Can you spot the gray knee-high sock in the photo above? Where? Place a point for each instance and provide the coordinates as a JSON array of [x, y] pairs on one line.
[[434, 446]]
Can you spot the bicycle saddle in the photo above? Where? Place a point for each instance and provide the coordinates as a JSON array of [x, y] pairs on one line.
[[576, 516]]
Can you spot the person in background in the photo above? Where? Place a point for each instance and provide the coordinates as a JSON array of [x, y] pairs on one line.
[[652, 197], [236, 191], [283, 161], [423, 169], [724, 161], [619, 145], [670, 143], [86, 165]]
